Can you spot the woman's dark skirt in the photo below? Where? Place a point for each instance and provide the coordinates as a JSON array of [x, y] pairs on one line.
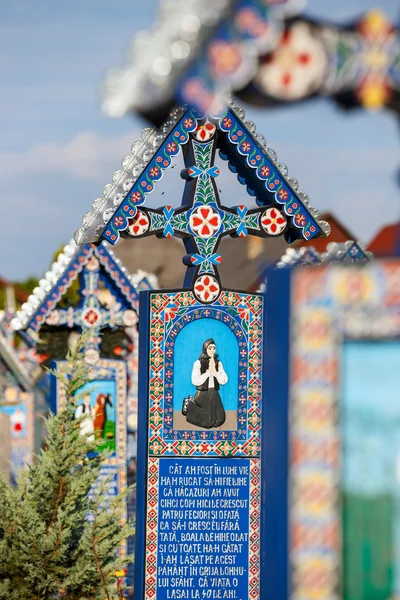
[[206, 410]]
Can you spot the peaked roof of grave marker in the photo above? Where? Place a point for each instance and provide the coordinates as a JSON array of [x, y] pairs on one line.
[[246, 152], [69, 264], [349, 252], [345, 252]]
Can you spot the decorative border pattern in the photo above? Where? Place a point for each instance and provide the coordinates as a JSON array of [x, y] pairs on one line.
[[152, 526], [255, 541], [116, 370], [169, 313], [266, 172], [328, 305]]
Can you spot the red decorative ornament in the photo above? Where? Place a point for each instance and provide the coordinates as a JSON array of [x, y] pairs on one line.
[[205, 132], [273, 221], [296, 67], [205, 221], [206, 288], [170, 313], [139, 224], [91, 317]]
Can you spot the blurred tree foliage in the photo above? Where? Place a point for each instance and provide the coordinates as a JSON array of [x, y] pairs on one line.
[[60, 529]]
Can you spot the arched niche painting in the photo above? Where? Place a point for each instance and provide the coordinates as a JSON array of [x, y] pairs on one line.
[[206, 377]]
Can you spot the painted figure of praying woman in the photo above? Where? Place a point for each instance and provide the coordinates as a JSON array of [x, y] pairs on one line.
[[206, 409]]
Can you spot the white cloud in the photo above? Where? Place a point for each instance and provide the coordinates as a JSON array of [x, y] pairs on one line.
[[87, 156]]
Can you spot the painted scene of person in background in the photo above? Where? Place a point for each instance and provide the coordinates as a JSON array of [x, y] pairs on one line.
[[97, 403]]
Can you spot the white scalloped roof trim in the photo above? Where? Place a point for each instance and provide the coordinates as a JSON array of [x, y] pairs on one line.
[[57, 270], [335, 251], [294, 255], [133, 165]]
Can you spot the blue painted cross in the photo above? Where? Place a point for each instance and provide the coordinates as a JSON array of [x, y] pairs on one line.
[[201, 221]]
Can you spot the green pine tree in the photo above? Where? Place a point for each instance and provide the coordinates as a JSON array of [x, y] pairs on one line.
[[58, 540]]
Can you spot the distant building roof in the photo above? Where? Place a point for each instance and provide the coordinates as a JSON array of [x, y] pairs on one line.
[[387, 241], [243, 259]]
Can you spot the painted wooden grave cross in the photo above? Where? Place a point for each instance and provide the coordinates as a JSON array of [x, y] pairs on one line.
[[201, 356], [202, 221], [293, 58], [94, 270]]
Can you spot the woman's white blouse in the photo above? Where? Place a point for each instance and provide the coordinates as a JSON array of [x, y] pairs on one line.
[[199, 378]]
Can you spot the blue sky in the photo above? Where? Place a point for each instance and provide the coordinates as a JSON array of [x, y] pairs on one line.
[[57, 149]]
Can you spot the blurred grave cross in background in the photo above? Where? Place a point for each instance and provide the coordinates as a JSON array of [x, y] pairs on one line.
[[263, 51], [106, 298], [357, 64], [196, 50]]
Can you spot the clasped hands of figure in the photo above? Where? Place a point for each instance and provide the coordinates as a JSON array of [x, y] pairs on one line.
[[212, 367]]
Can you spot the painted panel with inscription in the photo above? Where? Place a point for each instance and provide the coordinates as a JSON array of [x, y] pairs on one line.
[[203, 404], [103, 400], [201, 347]]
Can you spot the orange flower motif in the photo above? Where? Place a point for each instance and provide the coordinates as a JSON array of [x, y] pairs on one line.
[[206, 288], [205, 221], [273, 222]]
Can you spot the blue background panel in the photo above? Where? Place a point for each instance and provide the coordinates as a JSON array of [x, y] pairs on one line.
[[188, 347], [203, 528]]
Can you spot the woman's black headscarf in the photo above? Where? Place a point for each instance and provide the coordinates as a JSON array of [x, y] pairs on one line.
[[205, 359]]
